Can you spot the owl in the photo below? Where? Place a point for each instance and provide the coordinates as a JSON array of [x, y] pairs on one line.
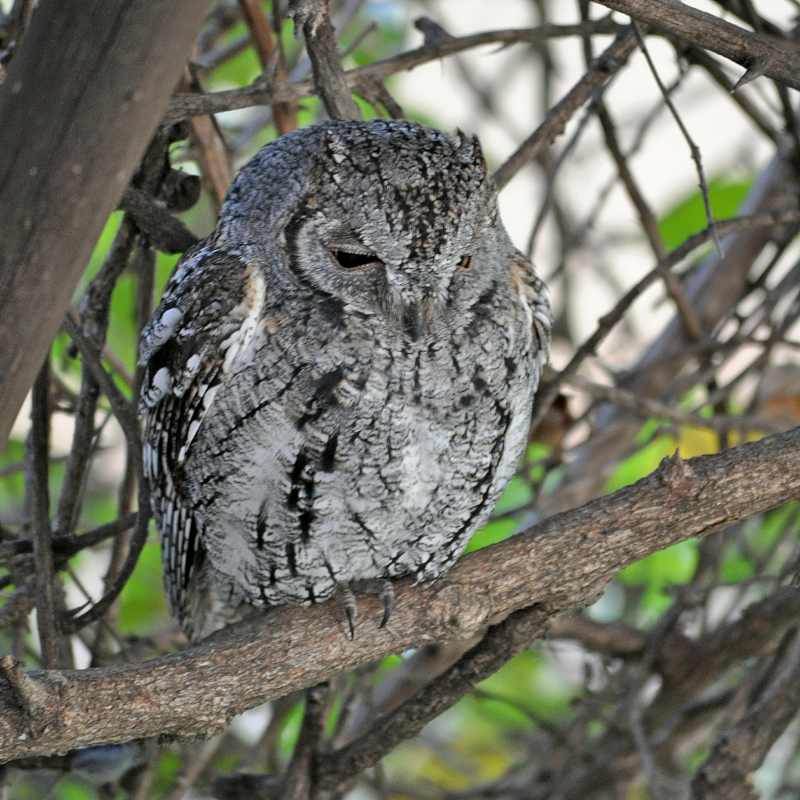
[[339, 379]]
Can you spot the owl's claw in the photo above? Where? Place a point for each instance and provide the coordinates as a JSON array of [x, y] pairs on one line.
[[387, 596], [346, 600]]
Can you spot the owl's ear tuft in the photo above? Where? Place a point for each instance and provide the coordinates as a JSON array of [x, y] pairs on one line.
[[469, 150]]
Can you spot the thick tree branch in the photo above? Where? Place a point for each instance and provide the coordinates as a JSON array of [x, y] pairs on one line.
[[200, 689], [76, 120], [759, 54]]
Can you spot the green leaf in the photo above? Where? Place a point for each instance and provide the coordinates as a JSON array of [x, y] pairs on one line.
[[290, 732], [673, 565], [735, 567], [240, 70], [771, 527], [530, 680], [169, 765], [656, 573], [688, 216]]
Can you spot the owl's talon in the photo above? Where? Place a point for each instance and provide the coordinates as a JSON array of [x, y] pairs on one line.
[[387, 596], [347, 603]]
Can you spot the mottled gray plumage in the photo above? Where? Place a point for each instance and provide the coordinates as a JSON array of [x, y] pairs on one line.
[[340, 378]]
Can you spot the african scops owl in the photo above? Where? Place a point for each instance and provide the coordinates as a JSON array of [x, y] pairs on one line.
[[339, 380]]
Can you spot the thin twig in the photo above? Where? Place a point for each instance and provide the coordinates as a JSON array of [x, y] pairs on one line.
[[94, 306], [127, 420], [693, 148], [606, 65], [646, 408], [284, 114], [212, 151], [260, 92], [609, 320]]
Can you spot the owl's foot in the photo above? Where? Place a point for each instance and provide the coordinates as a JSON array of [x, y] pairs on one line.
[[347, 600]]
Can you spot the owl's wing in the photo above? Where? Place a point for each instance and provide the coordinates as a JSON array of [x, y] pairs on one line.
[[535, 298], [187, 349]]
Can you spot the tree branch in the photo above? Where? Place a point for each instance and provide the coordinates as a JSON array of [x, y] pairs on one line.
[[759, 54], [165, 232], [198, 690], [604, 67], [261, 92], [314, 17], [713, 289], [741, 748], [76, 120]]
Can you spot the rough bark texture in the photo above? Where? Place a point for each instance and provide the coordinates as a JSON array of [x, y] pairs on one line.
[[81, 100], [759, 54], [198, 690]]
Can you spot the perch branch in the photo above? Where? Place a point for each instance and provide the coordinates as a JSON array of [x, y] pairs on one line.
[[198, 690]]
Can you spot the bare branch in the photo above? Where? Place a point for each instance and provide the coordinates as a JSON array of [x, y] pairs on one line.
[[269, 55], [605, 66], [165, 232], [609, 320], [127, 420], [713, 289], [314, 18], [759, 54], [46, 611], [694, 150], [262, 92], [198, 690], [741, 748]]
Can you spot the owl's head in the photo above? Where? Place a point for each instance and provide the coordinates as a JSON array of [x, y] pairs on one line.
[[390, 218]]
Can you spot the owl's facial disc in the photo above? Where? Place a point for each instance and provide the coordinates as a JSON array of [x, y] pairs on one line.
[[406, 276], [328, 258]]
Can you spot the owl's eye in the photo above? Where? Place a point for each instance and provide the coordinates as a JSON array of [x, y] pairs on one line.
[[465, 262], [348, 259]]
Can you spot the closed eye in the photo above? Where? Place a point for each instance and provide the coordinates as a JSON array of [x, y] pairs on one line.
[[347, 259]]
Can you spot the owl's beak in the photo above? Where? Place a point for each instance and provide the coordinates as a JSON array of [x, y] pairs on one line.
[[410, 304]]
